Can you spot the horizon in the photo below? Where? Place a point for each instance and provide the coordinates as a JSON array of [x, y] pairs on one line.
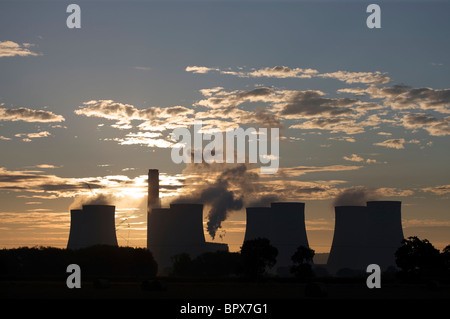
[[363, 114]]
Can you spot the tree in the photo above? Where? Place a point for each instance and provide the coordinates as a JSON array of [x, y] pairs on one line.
[[257, 255], [446, 257], [417, 258], [208, 264], [181, 265], [302, 259]]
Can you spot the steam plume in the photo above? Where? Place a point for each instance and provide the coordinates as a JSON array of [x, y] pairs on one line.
[[100, 199], [355, 196], [228, 191]]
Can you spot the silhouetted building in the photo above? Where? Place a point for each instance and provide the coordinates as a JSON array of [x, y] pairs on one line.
[[175, 230], [283, 224], [385, 232], [92, 225], [258, 223], [153, 189], [288, 230], [348, 249], [365, 235], [76, 229]]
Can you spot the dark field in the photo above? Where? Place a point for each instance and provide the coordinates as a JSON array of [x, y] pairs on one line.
[[217, 291]]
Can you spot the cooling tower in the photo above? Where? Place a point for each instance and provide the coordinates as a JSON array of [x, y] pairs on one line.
[[384, 232], [284, 225], [288, 230], [349, 241], [187, 223], [159, 235], [93, 225], [177, 230], [258, 223], [76, 229]]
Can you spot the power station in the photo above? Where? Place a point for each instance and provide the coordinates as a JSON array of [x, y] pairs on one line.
[[349, 241], [175, 230], [283, 224], [363, 235], [92, 225], [385, 233]]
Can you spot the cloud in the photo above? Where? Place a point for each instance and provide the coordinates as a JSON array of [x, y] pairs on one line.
[[301, 170], [394, 192], [111, 110], [288, 104], [300, 104], [29, 115], [199, 69], [153, 118], [335, 125], [219, 98], [354, 158], [357, 77], [10, 48], [45, 166], [438, 190], [282, 72], [406, 223], [434, 126], [36, 184], [357, 158], [396, 143], [144, 138], [26, 137], [294, 190], [404, 97]]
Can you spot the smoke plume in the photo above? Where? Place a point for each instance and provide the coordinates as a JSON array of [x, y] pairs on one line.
[[355, 196], [99, 199], [222, 190]]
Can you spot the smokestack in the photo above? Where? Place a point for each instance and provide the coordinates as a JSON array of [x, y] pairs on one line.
[[153, 201], [153, 189], [348, 249], [384, 232], [93, 225]]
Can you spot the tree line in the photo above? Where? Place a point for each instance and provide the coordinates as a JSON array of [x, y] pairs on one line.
[[416, 259]]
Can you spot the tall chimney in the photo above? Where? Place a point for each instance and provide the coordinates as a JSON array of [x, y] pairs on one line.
[[153, 190], [152, 201]]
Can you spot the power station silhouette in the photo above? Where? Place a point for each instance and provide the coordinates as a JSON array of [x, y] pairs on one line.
[[363, 235], [92, 225], [283, 224]]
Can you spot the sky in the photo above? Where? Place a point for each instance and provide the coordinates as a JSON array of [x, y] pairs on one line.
[[84, 113]]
